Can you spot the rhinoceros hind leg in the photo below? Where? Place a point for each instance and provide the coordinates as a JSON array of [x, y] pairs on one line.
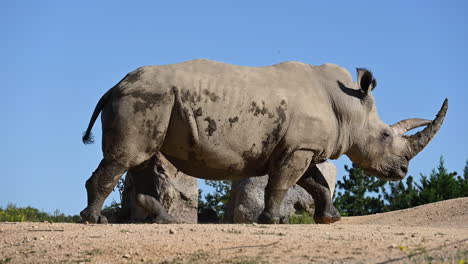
[[99, 186], [281, 177], [315, 184]]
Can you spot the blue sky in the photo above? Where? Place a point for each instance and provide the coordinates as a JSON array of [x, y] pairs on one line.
[[59, 57]]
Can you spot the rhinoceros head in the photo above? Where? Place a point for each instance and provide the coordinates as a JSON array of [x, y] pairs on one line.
[[385, 151]]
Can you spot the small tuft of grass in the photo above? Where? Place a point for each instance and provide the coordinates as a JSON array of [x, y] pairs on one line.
[[5, 260], [176, 260], [247, 260], [82, 260], [303, 218], [93, 252], [198, 257]]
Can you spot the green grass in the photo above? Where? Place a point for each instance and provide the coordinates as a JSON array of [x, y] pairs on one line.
[[247, 260], [5, 260], [303, 218], [93, 252]]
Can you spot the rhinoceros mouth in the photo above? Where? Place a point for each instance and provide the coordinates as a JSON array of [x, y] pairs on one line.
[[392, 175], [395, 173]]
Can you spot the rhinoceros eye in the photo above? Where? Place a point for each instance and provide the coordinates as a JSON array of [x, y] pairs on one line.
[[386, 135]]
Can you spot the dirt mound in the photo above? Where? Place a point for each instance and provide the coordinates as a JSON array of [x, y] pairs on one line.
[[448, 214], [433, 233]]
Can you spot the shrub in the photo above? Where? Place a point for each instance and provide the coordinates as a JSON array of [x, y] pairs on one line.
[[12, 213]]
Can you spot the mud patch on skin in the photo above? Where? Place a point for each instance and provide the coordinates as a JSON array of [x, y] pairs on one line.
[[211, 126], [266, 143], [188, 96], [149, 124], [213, 97], [256, 110], [148, 149], [133, 77], [146, 100], [233, 120], [275, 135], [249, 153], [149, 128], [151, 135], [281, 112], [198, 112]]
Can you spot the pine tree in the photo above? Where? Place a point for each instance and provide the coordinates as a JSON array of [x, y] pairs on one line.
[[440, 185], [463, 182], [401, 196], [355, 199]]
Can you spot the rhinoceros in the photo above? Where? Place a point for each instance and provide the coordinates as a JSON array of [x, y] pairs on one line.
[[220, 121]]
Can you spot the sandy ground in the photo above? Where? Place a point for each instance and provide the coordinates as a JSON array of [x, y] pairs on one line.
[[434, 233]]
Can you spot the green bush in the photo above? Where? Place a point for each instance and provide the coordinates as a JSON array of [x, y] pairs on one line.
[[12, 213], [217, 201], [303, 218]]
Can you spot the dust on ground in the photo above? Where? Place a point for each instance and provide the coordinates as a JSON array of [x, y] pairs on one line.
[[432, 233]]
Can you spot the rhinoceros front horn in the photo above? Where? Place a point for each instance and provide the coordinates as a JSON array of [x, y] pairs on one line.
[[418, 141]]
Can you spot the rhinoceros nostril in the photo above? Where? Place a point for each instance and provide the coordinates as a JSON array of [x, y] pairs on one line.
[[404, 169]]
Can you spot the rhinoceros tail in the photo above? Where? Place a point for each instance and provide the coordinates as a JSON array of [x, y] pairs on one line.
[[88, 136]]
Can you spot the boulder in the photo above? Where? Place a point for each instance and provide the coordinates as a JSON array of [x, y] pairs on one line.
[[157, 188], [247, 197]]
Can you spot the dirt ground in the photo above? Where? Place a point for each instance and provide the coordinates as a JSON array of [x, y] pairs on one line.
[[433, 233]]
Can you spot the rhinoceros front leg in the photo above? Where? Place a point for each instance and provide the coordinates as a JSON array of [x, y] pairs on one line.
[[314, 182], [99, 186], [281, 177]]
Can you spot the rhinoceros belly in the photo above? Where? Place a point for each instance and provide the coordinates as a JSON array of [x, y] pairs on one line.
[[220, 146]]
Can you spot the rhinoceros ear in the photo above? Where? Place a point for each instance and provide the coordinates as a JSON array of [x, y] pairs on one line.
[[365, 80]]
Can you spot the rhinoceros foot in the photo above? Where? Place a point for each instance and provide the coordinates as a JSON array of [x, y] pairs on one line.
[[92, 217], [330, 215], [325, 219], [266, 218]]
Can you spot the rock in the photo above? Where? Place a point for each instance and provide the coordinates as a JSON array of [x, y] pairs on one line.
[[163, 185], [247, 197], [329, 172]]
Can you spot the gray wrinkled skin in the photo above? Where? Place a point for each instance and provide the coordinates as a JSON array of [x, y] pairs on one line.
[[219, 121]]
